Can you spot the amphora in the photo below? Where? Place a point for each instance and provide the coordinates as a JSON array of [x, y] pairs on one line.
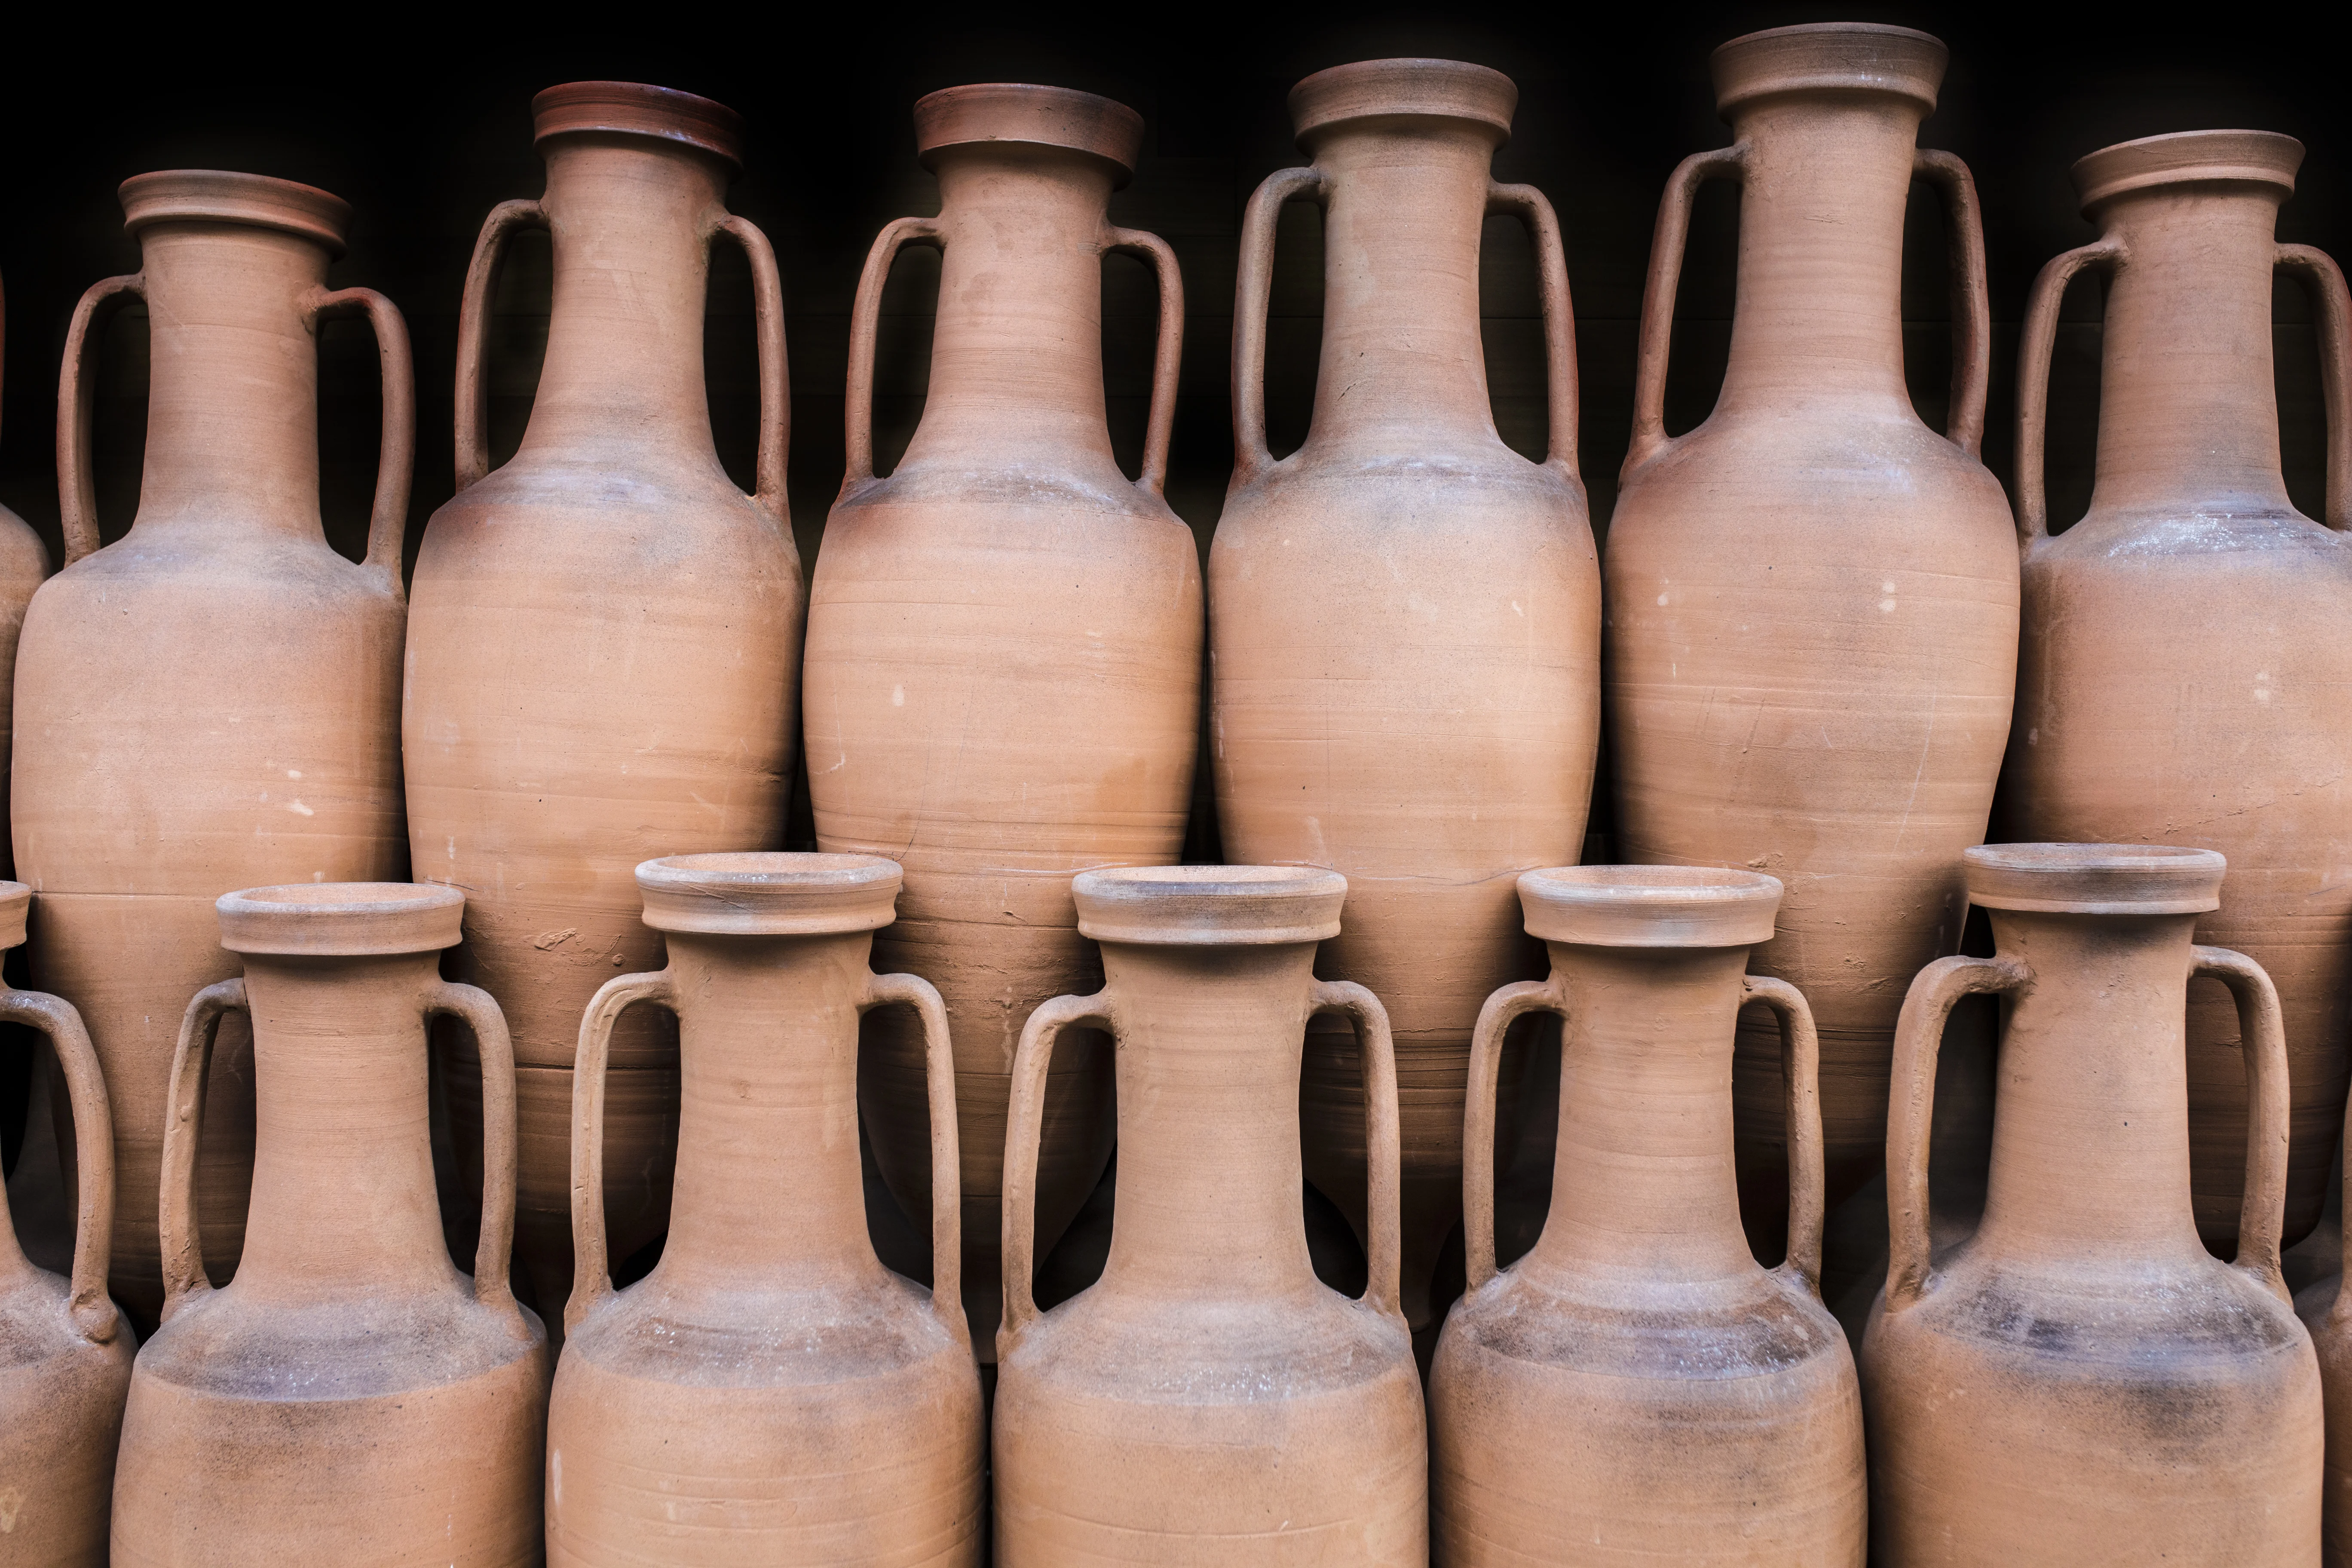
[[1636, 1389], [2185, 677], [1004, 640], [603, 645], [1207, 1401], [350, 1396], [2080, 1380], [1812, 623], [1404, 614], [2326, 1307], [24, 562], [211, 701], [770, 1392]]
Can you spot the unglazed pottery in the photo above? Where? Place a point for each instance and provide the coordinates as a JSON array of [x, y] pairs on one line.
[[24, 562], [2185, 677], [65, 1348], [770, 1392], [1812, 623], [1207, 1401], [1404, 614], [605, 639], [211, 701], [349, 1397], [2326, 1307], [2080, 1380], [1636, 1389], [1004, 640]]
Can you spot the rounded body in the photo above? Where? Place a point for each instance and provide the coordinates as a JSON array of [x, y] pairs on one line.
[[2331, 1339], [24, 563]]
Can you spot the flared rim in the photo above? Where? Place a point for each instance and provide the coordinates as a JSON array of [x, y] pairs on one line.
[[1650, 906], [1830, 57], [223, 195], [345, 919], [1408, 88], [638, 109], [2094, 879], [2187, 157], [1023, 113], [770, 893], [1197, 906]]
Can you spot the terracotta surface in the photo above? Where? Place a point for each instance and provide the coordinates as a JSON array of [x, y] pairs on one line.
[[2185, 679], [24, 562], [2080, 1380], [1207, 1401], [1404, 614], [1004, 640], [65, 1348], [212, 701], [349, 1397], [771, 1392], [2326, 1308], [1637, 1389], [1812, 597], [604, 641]]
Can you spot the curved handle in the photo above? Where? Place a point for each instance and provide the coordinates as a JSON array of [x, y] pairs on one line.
[[2033, 346], [1384, 1149], [1800, 1072], [2324, 281], [1529, 206], [1168, 358], [946, 1155], [2261, 1212], [776, 378], [1025, 1123], [1971, 296], [864, 322], [183, 1253], [395, 466], [88, 1307], [1503, 1009], [591, 1270], [1911, 1107], [478, 1011], [1658, 294], [474, 330], [76, 397], [1252, 287]]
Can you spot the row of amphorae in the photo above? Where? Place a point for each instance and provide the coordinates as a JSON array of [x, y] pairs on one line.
[[1814, 642]]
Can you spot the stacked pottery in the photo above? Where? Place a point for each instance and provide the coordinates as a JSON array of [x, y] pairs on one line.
[[2185, 672], [1404, 614], [1005, 639], [603, 645], [212, 699], [24, 562]]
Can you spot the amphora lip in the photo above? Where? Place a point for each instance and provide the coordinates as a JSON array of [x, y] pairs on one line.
[[2094, 879], [770, 893], [1830, 57], [1650, 906], [223, 195], [638, 109], [1025, 113], [2187, 157], [341, 920], [1206, 906], [16, 903], [1403, 89]]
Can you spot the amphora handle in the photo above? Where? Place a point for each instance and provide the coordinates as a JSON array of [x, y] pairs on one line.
[[1666, 245], [1024, 1125], [1383, 1146], [395, 468], [2324, 281], [494, 1049], [1971, 296], [2034, 350], [2262, 1210], [1504, 1008], [775, 377], [88, 1309], [184, 1125], [1253, 290], [864, 326], [1800, 1074], [77, 401], [472, 426], [947, 1156], [1529, 206], [1168, 355], [592, 1269]]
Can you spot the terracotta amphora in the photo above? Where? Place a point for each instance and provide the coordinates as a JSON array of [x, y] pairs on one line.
[[2326, 1307], [2185, 674], [211, 701], [604, 637], [1404, 614], [1813, 623], [1004, 640], [65, 1348], [2080, 1380], [770, 1392], [24, 562], [1637, 1389], [349, 1397], [1207, 1401]]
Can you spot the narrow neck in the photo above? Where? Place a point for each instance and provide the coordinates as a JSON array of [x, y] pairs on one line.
[[2188, 406], [1208, 1167]]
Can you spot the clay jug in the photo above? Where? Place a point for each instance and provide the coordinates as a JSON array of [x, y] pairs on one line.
[[770, 1392], [1004, 640], [349, 1397], [1813, 623], [605, 635], [65, 1348], [1637, 1389], [1207, 1401], [2183, 670], [211, 701], [2080, 1380], [1404, 614], [24, 562]]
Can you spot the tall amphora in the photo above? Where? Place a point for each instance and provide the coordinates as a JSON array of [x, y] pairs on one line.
[[212, 701], [605, 635], [1404, 614], [1812, 623], [1005, 639], [2185, 677]]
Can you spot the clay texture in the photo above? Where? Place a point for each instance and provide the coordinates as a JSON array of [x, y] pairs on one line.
[[24, 562], [2326, 1307]]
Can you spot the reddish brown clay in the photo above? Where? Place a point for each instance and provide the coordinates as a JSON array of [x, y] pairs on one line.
[[1005, 639], [1637, 1390], [2326, 1307], [1812, 597], [349, 1397], [2080, 1380], [1207, 1401], [212, 701], [2183, 677], [604, 641], [770, 1392], [1404, 614], [65, 1348], [24, 562]]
